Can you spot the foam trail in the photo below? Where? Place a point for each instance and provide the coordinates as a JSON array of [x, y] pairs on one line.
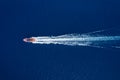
[[80, 40]]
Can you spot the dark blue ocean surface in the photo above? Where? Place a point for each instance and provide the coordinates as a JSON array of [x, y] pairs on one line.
[[27, 18]]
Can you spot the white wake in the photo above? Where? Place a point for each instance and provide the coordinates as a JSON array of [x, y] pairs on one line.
[[80, 40]]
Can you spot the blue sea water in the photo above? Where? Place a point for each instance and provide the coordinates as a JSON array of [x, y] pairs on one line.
[[27, 18]]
